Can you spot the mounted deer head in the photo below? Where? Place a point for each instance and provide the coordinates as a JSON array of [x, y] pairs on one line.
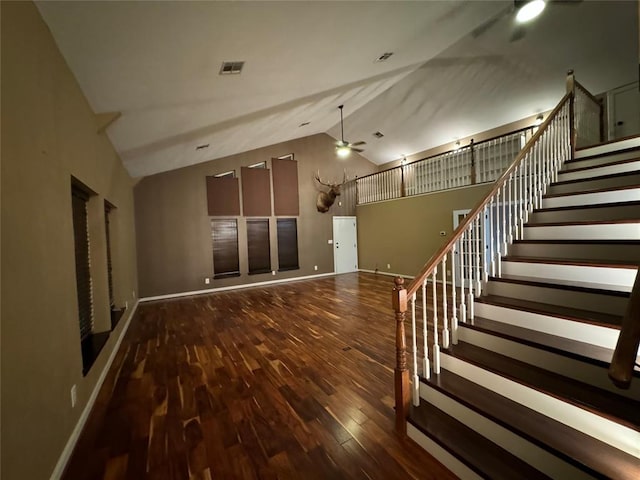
[[326, 199]]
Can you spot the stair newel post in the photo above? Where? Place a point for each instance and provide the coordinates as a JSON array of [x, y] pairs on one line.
[[445, 319], [461, 262], [436, 342], [426, 368], [357, 193], [571, 88], [401, 372], [403, 188], [415, 381]]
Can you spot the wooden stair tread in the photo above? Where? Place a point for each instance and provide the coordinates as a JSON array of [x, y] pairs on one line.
[[567, 347], [580, 242], [604, 154], [576, 314], [581, 222], [609, 189], [596, 178], [583, 451], [582, 262], [592, 167], [584, 207], [600, 402], [481, 455], [570, 286]]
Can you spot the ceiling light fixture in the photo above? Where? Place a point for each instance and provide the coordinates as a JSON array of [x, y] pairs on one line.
[[529, 10], [344, 148], [457, 145], [539, 120]]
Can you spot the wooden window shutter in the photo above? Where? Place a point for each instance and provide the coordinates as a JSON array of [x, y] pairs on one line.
[[285, 187], [256, 192], [258, 246], [223, 196]]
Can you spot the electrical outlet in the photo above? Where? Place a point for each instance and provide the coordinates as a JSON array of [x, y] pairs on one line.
[[315, 267], [74, 396], [273, 272], [207, 281], [330, 242], [388, 266]]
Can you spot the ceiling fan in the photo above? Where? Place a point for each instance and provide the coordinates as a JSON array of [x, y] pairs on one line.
[[519, 22], [344, 148]]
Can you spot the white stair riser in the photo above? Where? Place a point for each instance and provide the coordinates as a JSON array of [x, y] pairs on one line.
[[592, 184], [603, 170], [574, 299], [595, 198], [596, 231], [624, 252], [582, 332], [608, 278], [612, 213], [443, 456], [610, 148], [535, 456], [607, 431], [569, 367]]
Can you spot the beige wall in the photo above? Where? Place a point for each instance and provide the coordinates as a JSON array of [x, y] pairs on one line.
[[174, 232], [405, 233], [48, 135]]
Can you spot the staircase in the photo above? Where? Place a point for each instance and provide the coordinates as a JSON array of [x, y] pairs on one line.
[[522, 390]]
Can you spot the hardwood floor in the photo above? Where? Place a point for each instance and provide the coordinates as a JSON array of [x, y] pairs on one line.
[[288, 381]]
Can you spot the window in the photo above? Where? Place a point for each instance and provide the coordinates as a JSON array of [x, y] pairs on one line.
[[258, 246], [258, 165], [224, 234], [79, 199], [107, 212], [287, 244], [229, 174]]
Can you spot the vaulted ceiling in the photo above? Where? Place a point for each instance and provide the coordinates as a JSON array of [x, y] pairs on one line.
[[456, 70]]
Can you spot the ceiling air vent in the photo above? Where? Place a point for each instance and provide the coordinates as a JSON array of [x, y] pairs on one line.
[[304, 124], [202, 147], [231, 68], [378, 134], [383, 57]]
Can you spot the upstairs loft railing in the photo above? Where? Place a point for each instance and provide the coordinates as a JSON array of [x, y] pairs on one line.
[[473, 164], [588, 115]]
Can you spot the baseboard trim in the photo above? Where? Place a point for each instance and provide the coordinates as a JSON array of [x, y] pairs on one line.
[[389, 274], [232, 287], [75, 434]]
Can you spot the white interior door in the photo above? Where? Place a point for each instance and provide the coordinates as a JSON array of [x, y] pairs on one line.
[[345, 244], [624, 111]]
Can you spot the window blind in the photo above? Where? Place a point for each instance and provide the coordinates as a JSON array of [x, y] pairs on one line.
[[258, 246], [83, 265], [287, 244], [224, 235]]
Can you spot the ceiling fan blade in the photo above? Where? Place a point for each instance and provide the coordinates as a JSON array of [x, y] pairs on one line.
[[480, 30], [358, 143], [359, 150], [517, 33]]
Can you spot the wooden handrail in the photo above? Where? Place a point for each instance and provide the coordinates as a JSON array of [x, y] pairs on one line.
[[624, 357], [457, 233]]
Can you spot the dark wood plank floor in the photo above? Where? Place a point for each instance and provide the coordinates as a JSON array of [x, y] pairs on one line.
[[288, 381]]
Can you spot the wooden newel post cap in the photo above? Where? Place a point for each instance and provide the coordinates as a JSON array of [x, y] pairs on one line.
[[570, 72], [399, 295]]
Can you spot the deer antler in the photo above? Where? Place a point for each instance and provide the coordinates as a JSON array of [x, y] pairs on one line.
[[317, 177], [330, 185]]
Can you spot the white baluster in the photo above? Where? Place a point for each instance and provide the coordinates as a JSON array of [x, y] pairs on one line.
[[436, 343], [426, 368], [504, 220], [445, 319], [470, 271], [461, 262], [454, 306], [512, 206], [488, 216], [477, 222], [498, 224], [416, 380]]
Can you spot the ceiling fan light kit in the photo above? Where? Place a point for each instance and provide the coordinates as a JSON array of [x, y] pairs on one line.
[[344, 148]]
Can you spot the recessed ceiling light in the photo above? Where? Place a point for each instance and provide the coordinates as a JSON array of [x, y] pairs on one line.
[[383, 57], [200, 147], [231, 68], [304, 124], [530, 10]]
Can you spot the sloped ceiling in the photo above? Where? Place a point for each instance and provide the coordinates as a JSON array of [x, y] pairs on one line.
[[454, 71]]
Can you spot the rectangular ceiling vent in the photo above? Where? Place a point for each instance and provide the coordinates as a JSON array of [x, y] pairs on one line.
[[383, 57], [378, 134], [231, 68]]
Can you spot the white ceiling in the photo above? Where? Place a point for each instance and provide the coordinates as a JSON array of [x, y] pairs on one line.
[[453, 73]]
